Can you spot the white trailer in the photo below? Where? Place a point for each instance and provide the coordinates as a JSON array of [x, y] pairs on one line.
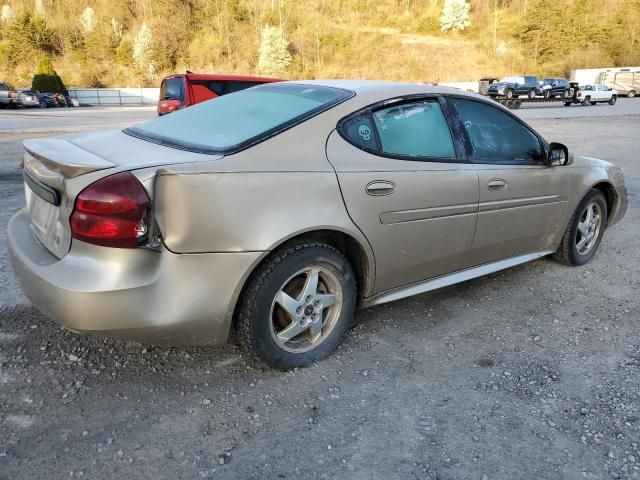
[[626, 80]]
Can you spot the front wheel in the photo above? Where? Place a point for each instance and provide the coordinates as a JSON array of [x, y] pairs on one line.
[[612, 100], [587, 101], [509, 94], [547, 94], [631, 93], [298, 305], [532, 93], [584, 232]]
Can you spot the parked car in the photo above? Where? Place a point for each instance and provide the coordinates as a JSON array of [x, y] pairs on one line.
[[9, 96], [282, 208], [592, 94], [555, 87], [46, 100], [513, 87], [186, 89], [29, 98]]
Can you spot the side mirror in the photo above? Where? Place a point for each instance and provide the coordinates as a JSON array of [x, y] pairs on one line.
[[558, 155]]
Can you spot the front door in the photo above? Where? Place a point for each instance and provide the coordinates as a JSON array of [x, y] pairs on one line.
[[523, 201], [407, 185]]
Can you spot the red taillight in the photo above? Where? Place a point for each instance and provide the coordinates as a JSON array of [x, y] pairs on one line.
[[579, 94], [112, 212]]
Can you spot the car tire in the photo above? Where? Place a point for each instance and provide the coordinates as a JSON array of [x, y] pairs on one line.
[[42, 104], [613, 100], [509, 94], [587, 101], [631, 93], [547, 94], [531, 94], [584, 229], [567, 104], [285, 318]]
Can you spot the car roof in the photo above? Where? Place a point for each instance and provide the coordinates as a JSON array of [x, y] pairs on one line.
[[386, 89], [222, 77]]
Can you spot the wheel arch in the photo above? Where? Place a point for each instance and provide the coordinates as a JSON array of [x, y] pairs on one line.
[[610, 195], [359, 255]]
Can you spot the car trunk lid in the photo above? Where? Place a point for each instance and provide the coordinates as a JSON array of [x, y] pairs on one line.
[[51, 163]]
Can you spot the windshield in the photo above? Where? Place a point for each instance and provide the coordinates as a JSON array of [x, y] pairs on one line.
[[172, 89], [237, 120], [513, 80]]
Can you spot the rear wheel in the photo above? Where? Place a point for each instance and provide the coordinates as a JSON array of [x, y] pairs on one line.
[[587, 101], [42, 104], [509, 94], [298, 305], [532, 93], [585, 230], [631, 93]]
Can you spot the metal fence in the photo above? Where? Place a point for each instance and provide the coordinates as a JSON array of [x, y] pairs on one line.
[[115, 96]]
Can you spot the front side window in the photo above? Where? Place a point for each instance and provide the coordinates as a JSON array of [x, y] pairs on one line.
[[497, 137], [232, 122], [417, 129]]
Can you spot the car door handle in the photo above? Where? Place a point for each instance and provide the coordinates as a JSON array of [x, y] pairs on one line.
[[380, 187], [497, 184]]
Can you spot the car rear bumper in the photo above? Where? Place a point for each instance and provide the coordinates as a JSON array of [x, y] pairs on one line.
[[154, 297]]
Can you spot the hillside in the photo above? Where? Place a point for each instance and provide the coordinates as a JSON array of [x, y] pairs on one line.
[[136, 42]]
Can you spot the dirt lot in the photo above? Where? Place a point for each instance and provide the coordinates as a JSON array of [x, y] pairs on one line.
[[531, 373]]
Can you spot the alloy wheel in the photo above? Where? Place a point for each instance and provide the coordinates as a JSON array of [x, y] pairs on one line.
[[588, 229], [306, 309]]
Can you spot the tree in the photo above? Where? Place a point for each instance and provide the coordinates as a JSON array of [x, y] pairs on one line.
[[143, 52], [26, 37], [7, 14], [455, 15], [87, 20], [46, 79], [39, 9], [274, 53]]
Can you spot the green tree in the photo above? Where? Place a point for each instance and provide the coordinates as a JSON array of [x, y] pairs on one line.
[[274, 51], [46, 79], [455, 15]]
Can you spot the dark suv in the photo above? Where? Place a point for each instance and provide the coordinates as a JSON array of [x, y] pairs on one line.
[[556, 87], [9, 96], [513, 87]]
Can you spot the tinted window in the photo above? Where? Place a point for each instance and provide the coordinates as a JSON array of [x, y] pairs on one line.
[[359, 131], [3, 87], [172, 89], [417, 129], [234, 121], [237, 86], [495, 136]]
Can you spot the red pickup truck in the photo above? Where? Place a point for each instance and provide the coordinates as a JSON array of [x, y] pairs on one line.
[[185, 89]]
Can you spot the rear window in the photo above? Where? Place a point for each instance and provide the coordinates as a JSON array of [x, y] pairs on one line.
[[172, 89], [235, 121]]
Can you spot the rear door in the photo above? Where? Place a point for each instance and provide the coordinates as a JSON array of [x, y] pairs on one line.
[[522, 200], [409, 188]]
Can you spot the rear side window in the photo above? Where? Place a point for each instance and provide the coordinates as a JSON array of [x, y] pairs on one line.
[[236, 121], [172, 89], [359, 131], [496, 137], [233, 86], [417, 129]]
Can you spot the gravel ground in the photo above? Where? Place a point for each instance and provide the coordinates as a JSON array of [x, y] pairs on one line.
[[530, 373]]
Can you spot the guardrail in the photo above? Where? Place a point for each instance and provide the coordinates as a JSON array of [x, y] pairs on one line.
[[115, 96]]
